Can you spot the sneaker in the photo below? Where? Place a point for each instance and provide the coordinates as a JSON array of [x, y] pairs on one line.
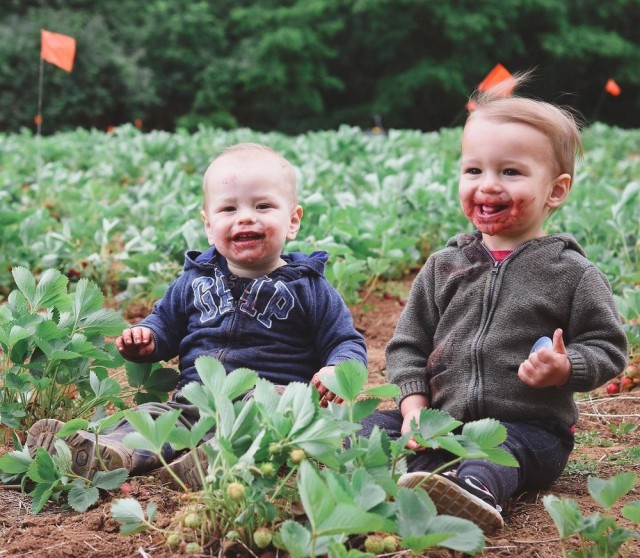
[[82, 446], [184, 467], [464, 497]]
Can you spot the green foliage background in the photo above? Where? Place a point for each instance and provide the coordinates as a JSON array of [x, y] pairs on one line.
[[295, 65]]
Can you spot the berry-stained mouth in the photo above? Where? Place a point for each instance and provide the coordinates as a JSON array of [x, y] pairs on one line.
[[246, 236], [490, 209]]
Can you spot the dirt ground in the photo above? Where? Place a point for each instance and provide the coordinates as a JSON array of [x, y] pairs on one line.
[[529, 531]]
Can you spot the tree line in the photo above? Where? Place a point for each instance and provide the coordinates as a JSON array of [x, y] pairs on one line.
[[297, 65]]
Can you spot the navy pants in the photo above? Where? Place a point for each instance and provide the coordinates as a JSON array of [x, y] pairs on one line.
[[541, 447]]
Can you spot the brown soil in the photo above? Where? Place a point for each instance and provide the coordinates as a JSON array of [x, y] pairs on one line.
[[529, 530]]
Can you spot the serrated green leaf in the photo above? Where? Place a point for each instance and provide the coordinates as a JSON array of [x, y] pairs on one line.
[[385, 391], [25, 282], [465, 536], [296, 539], [127, 511], [433, 422], [15, 462], [105, 322], [86, 298], [110, 480], [313, 494], [347, 381], [81, 497], [51, 291], [363, 408], [565, 514], [72, 427], [41, 494], [487, 433], [608, 492], [632, 512], [42, 468]]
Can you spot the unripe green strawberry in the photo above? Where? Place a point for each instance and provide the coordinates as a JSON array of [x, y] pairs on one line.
[[262, 537], [192, 548], [232, 536], [174, 540], [193, 520], [297, 456], [275, 448], [374, 544], [235, 491], [267, 469], [390, 544]]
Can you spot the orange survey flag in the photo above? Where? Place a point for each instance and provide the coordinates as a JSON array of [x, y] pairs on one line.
[[57, 49], [612, 88], [494, 77]]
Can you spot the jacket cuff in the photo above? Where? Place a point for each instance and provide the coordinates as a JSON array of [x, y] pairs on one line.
[[579, 380], [410, 388]]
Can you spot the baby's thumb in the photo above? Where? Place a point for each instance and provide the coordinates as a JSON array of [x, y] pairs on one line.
[[558, 342]]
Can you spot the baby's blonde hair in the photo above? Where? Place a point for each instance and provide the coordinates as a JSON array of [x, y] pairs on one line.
[[286, 166], [559, 124]]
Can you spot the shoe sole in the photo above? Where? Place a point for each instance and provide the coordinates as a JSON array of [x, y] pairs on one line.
[[185, 469], [82, 446], [451, 499]]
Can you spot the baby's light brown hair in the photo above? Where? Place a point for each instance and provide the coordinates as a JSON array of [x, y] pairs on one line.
[[287, 167], [559, 124]]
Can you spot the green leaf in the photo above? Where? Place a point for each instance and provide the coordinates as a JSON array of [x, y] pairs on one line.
[[349, 519], [363, 408], [433, 422], [296, 538], [15, 462], [72, 427], [25, 282], [86, 298], [19, 333], [415, 510], [51, 291], [565, 514], [383, 391], [314, 495], [110, 480], [41, 494], [351, 377], [608, 492], [487, 433], [464, 536], [81, 496], [632, 512], [42, 468], [128, 512], [105, 322]]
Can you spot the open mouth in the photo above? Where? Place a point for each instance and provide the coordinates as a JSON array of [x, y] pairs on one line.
[[490, 210], [247, 237]]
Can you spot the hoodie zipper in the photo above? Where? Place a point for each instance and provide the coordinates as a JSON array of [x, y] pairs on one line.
[[475, 402]]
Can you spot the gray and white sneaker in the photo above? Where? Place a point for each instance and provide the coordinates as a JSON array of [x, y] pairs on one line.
[[464, 497], [82, 445]]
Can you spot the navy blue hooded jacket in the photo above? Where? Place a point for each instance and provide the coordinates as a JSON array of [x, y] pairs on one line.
[[285, 325]]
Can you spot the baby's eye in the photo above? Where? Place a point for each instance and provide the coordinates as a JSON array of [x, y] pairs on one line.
[[472, 170], [227, 209], [263, 206], [512, 172]]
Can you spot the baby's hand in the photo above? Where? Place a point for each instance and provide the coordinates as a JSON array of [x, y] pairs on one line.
[[547, 367], [136, 342], [412, 415], [325, 394]]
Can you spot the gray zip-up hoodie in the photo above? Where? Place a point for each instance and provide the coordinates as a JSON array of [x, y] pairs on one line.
[[470, 322]]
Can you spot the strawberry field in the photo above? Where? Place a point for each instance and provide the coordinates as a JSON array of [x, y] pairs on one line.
[[106, 219]]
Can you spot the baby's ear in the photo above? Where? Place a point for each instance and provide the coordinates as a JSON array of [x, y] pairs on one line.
[[294, 225], [207, 227], [559, 191]]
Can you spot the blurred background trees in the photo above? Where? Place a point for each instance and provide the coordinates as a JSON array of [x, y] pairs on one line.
[[296, 65]]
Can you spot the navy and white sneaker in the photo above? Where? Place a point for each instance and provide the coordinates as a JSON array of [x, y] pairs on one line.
[[464, 497]]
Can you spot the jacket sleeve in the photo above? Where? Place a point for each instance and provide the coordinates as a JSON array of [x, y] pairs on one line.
[[597, 347], [336, 338], [167, 322], [412, 342]]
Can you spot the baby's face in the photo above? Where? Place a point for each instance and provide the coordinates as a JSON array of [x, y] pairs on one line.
[[508, 184], [250, 210]]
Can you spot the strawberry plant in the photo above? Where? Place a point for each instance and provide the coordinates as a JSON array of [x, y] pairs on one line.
[[55, 360], [599, 535], [275, 453]]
